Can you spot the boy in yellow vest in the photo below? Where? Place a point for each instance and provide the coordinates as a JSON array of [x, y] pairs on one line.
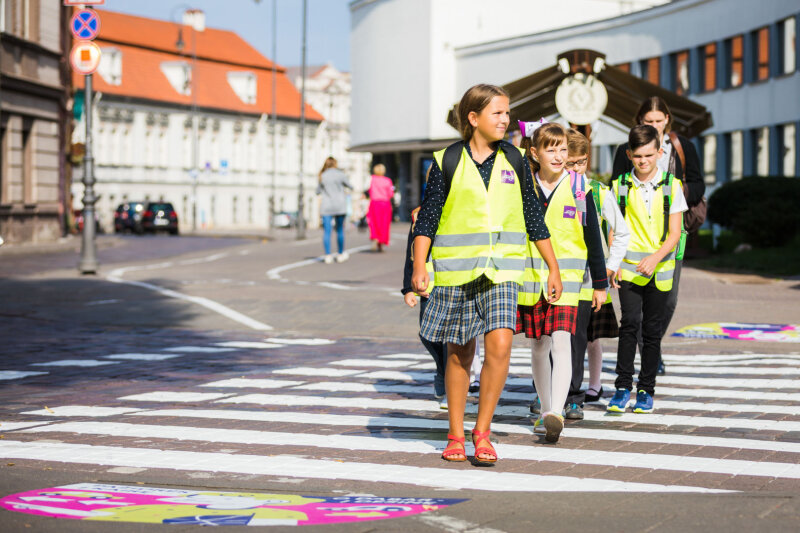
[[652, 203]]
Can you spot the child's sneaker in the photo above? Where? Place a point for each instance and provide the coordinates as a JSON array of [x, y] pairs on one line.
[[554, 425], [474, 387], [573, 411], [538, 426], [644, 403], [443, 403], [619, 402], [536, 406]]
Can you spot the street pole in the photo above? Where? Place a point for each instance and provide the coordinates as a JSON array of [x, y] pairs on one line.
[[301, 219], [274, 115], [88, 262], [195, 154]]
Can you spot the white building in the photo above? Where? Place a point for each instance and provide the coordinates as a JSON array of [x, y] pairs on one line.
[[736, 57], [143, 129], [328, 90]]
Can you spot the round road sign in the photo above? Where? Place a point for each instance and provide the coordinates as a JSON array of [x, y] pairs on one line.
[[85, 24], [85, 57]]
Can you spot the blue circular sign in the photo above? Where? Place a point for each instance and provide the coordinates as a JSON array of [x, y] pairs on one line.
[[85, 24]]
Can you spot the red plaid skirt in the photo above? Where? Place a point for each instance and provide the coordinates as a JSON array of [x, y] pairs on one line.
[[544, 318]]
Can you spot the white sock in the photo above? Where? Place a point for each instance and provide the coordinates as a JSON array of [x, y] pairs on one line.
[[540, 367], [562, 369], [595, 350]]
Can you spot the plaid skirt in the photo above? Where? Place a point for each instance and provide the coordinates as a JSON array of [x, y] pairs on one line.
[[603, 324], [545, 318], [459, 314]]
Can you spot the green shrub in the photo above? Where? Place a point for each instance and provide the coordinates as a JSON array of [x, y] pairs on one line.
[[763, 211]]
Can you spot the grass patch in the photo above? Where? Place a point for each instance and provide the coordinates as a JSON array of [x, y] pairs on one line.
[[781, 261]]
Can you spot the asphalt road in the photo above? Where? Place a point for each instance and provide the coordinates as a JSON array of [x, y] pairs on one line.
[[234, 364]]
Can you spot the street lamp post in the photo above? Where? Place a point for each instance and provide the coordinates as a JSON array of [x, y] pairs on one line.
[[274, 114], [195, 172], [301, 219], [88, 262]]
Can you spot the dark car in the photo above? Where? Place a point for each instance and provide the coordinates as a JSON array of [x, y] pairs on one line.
[[128, 217], [160, 216]]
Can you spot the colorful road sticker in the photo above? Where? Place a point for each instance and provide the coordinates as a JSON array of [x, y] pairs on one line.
[[742, 332], [157, 505]]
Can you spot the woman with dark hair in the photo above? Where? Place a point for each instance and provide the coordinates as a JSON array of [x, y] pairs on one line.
[[655, 112]]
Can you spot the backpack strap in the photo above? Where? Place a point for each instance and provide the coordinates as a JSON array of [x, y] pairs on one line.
[[676, 144], [622, 192], [450, 160], [666, 188], [595, 185], [577, 183]]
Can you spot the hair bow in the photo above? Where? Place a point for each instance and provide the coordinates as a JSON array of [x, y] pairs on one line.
[[527, 128]]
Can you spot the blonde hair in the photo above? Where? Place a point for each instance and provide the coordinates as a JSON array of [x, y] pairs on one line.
[[549, 134], [475, 99], [379, 169], [577, 143]]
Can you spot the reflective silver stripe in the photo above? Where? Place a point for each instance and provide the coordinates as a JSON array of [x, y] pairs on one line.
[[572, 264], [459, 265], [534, 262], [638, 256], [664, 275], [506, 263], [532, 287], [669, 257], [625, 266], [509, 237], [571, 286], [461, 239]]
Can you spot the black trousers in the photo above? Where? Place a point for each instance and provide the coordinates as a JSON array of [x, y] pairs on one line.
[[642, 307], [579, 343], [669, 308]]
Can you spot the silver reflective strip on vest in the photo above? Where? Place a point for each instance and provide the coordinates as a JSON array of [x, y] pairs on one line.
[[507, 263], [571, 286], [461, 239], [458, 264], [572, 264], [534, 262], [509, 237], [664, 275], [532, 287], [629, 267], [638, 256]]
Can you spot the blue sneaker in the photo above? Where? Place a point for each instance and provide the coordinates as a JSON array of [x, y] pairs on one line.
[[620, 401], [644, 403]]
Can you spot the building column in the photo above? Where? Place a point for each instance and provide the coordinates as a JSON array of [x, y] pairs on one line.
[[404, 185], [775, 151], [723, 159], [748, 59], [695, 72], [775, 51], [748, 153], [797, 148], [666, 72], [723, 73]]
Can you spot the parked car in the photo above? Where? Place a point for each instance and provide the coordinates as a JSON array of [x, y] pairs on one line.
[[128, 217], [160, 216], [285, 219]]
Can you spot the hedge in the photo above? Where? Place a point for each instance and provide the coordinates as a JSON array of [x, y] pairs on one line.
[[764, 211]]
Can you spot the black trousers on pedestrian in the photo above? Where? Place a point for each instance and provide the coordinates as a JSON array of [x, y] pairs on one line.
[[642, 307], [579, 343], [438, 350], [669, 307]]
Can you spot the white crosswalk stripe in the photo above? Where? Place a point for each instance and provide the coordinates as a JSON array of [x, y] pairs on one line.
[[377, 406]]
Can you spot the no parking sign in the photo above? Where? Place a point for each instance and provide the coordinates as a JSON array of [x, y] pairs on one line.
[[85, 24]]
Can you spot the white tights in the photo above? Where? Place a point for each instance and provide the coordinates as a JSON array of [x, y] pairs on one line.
[[552, 382], [595, 350]]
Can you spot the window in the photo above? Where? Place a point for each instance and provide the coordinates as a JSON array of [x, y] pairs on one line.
[[709, 65], [735, 154], [680, 69], [651, 70], [789, 153], [735, 48], [625, 67], [710, 158], [787, 39], [761, 53], [761, 144]]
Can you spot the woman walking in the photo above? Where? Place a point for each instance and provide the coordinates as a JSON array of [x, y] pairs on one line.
[[381, 190], [333, 208]]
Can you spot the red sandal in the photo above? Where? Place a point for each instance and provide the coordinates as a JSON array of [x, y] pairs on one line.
[[449, 451], [478, 436]]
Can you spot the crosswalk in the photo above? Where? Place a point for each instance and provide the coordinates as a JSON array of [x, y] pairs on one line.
[[724, 422]]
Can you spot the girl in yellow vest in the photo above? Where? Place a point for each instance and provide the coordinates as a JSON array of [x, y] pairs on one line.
[[571, 217], [478, 212], [652, 202]]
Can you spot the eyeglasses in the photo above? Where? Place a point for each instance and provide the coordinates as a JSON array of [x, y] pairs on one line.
[[578, 163]]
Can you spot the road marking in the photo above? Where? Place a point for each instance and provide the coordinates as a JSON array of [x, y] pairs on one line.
[[453, 525], [719, 357], [728, 394], [169, 396], [275, 273], [248, 345], [418, 356], [18, 374], [77, 362], [782, 371], [314, 371], [83, 410], [290, 466], [509, 410], [142, 356], [199, 349], [370, 363], [394, 375], [647, 461], [241, 383], [115, 276], [102, 302], [426, 424], [308, 342], [5, 425]]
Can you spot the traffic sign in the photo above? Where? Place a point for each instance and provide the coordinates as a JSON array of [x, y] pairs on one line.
[[85, 24], [85, 57]]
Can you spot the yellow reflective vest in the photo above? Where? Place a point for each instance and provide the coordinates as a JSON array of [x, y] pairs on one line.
[[481, 231], [563, 219], [647, 228]]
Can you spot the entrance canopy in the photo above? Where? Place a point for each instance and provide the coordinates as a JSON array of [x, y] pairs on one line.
[[534, 96]]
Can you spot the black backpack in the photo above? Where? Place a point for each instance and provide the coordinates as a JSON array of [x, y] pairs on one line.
[[452, 156]]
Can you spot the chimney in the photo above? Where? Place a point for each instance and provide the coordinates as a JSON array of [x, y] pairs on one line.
[[195, 18]]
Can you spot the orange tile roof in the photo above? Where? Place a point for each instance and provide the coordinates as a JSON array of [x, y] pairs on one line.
[[146, 43]]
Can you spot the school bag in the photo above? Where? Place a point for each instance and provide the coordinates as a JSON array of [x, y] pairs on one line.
[[694, 217]]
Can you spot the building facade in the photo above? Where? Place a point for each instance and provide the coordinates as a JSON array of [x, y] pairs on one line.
[[329, 91], [736, 57], [33, 119], [183, 114]]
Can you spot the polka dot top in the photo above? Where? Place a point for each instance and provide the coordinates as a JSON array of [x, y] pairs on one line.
[[437, 190]]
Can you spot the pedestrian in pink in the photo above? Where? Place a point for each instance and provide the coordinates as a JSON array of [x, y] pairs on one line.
[[381, 191]]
